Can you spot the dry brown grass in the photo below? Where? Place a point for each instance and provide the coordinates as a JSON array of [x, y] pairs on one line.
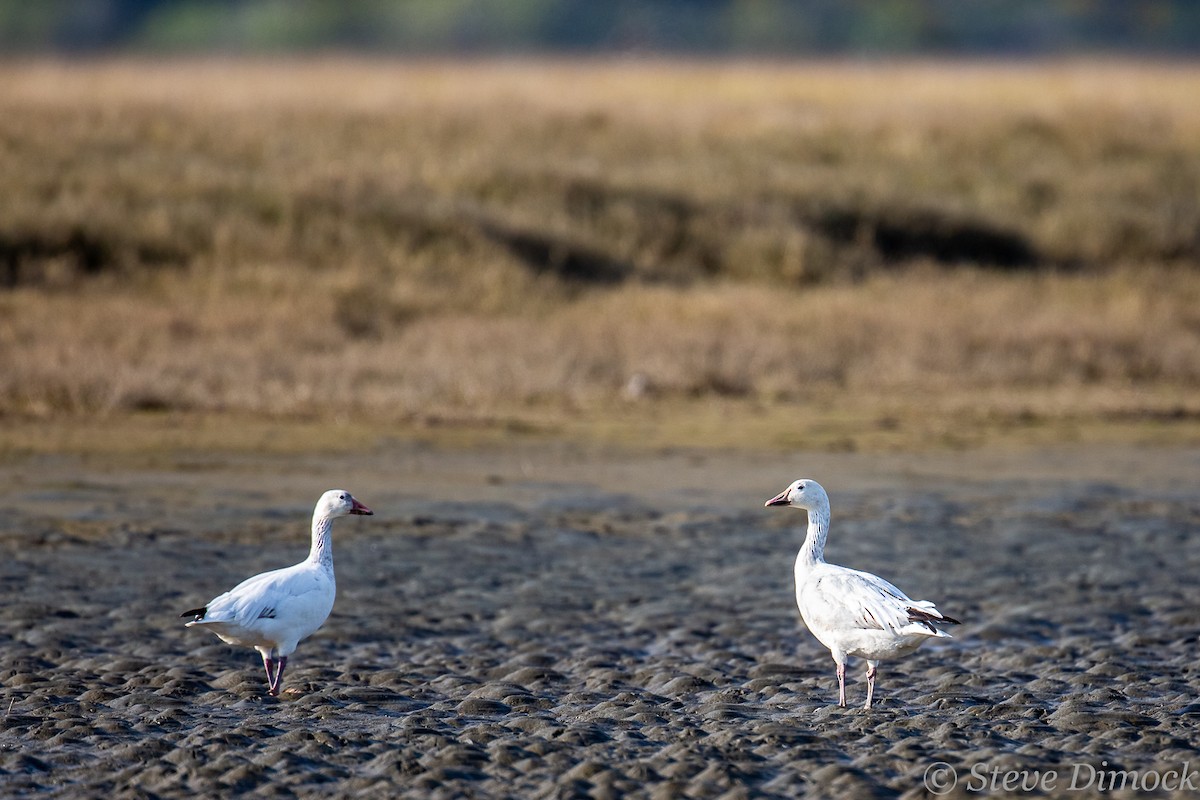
[[433, 242]]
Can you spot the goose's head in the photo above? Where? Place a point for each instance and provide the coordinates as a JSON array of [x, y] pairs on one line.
[[339, 503], [804, 493]]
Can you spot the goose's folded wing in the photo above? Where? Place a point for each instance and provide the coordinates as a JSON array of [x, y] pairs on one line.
[[846, 598], [262, 597]]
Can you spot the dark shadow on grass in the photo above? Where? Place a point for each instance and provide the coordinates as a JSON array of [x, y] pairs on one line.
[[26, 258], [910, 235], [569, 261]]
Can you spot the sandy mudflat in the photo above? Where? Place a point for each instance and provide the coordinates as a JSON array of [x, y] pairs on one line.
[[547, 622]]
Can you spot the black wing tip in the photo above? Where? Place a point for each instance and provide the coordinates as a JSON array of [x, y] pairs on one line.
[[917, 615], [198, 613]]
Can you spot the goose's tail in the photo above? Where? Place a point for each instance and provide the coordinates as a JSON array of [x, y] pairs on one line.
[[923, 616]]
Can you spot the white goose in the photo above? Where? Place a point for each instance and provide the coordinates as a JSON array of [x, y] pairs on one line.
[[852, 613], [273, 611]]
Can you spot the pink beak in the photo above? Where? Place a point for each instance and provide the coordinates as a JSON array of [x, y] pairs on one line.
[[359, 508], [780, 499]]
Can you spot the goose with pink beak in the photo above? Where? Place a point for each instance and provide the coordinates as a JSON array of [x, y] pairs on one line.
[[274, 611], [853, 613]]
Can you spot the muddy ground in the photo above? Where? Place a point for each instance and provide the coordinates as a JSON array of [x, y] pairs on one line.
[[542, 621]]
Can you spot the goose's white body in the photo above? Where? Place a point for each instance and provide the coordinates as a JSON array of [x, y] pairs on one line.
[[853, 613], [274, 611]]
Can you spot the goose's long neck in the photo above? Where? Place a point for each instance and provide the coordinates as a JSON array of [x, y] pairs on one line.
[[812, 552], [321, 551]]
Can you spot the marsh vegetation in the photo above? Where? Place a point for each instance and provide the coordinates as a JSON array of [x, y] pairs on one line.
[[411, 243]]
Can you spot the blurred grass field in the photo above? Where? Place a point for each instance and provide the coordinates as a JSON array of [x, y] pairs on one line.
[[884, 255]]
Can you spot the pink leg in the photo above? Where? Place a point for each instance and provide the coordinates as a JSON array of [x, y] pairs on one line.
[[269, 665], [871, 670], [841, 673], [277, 682]]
